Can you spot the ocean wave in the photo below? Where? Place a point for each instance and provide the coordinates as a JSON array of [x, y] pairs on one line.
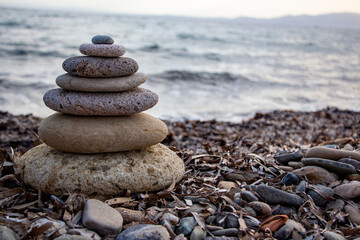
[[18, 86], [208, 77], [28, 52], [189, 36]]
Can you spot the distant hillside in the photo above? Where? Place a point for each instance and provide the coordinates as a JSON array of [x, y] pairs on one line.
[[333, 20]]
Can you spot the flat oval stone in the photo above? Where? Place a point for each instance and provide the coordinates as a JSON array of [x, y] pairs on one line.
[[100, 67], [276, 196], [115, 84], [79, 134], [100, 104], [315, 175], [330, 165], [330, 153], [54, 172], [348, 190], [102, 39], [102, 50]]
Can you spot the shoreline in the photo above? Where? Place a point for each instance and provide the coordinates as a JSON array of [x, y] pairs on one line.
[[20, 131], [227, 166]]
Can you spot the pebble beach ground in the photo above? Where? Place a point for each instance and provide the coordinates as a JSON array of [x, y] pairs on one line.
[[251, 180]]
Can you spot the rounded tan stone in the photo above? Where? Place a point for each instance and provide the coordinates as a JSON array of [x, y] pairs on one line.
[[115, 84], [102, 50], [330, 153], [100, 67], [100, 104], [54, 172], [79, 134], [315, 175]]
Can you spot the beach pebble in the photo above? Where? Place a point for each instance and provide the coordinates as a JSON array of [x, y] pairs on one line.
[[337, 204], [333, 154], [261, 209], [330, 165], [248, 196], [328, 235], [102, 39], [186, 226], [227, 185], [287, 157], [101, 218], [226, 232], [315, 175], [296, 165], [232, 221], [290, 226], [348, 190], [283, 210], [100, 104], [72, 237], [54, 172], [7, 234], [100, 67], [354, 214], [290, 179], [250, 211], [301, 187], [351, 161], [198, 234], [318, 192], [115, 84], [100, 134], [170, 218], [251, 222], [102, 50], [221, 238], [144, 232], [276, 196]]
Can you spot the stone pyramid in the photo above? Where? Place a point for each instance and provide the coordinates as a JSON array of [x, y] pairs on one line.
[[100, 141]]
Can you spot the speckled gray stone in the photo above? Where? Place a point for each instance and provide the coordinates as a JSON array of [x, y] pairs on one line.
[[97, 134], [102, 39], [102, 50], [54, 172], [330, 165], [100, 67], [115, 84], [100, 104]]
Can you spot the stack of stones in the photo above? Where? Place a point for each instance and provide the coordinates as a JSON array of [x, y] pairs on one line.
[[100, 141]]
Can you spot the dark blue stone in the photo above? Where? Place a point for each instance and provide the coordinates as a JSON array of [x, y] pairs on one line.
[[290, 179]]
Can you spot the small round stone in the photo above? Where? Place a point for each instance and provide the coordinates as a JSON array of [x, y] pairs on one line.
[[100, 104], [54, 172], [102, 39], [100, 67], [101, 218], [96, 134], [115, 84], [102, 50], [290, 179]]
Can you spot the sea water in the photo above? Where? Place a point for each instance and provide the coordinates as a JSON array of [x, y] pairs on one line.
[[200, 68]]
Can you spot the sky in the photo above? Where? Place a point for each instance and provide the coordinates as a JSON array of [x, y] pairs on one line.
[[198, 8]]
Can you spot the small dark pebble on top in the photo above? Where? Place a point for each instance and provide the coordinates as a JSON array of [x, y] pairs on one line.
[[102, 39]]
